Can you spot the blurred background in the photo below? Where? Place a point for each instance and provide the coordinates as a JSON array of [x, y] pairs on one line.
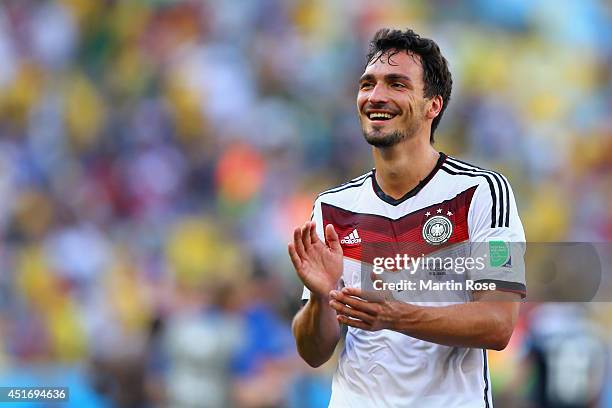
[[155, 156]]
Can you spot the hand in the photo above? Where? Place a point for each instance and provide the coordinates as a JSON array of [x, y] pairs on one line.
[[318, 264], [367, 311]]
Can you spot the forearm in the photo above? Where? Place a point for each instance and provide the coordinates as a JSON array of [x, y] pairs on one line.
[[476, 324], [316, 331]]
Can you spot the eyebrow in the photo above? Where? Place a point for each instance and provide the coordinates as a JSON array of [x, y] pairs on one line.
[[388, 77]]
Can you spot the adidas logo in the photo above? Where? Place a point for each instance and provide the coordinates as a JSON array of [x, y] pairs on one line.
[[351, 239]]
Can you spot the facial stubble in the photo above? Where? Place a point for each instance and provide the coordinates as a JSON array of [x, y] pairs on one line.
[[379, 138], [382, 139]]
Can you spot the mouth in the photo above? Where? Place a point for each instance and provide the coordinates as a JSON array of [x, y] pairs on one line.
[[380, 116]]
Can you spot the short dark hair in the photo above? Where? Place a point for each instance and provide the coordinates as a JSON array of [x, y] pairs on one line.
[[436, 75]]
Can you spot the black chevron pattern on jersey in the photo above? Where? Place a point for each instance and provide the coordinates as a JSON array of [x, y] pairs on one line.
[[500, 179], [497, 219]]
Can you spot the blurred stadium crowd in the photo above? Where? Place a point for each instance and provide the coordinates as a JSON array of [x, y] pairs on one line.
[[155, 155]]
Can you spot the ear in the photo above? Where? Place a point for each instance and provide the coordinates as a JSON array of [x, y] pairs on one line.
[[435, 106]]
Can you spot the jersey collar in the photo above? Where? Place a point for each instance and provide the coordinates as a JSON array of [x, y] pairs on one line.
[[390, 200]]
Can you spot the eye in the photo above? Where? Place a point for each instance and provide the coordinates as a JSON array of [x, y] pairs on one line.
[[398, 85], [365, 85]]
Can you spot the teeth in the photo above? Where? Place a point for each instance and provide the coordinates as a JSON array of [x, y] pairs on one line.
[[380, 115]]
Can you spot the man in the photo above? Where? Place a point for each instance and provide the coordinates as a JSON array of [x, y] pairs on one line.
[[402, 353], [566, 355]]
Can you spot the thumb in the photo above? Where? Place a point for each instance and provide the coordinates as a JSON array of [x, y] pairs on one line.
[[332, 238]]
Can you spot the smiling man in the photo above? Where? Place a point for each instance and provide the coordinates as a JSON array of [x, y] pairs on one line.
[[402, 352]]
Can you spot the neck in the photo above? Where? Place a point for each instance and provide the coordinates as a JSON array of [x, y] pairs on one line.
[[400, 168]]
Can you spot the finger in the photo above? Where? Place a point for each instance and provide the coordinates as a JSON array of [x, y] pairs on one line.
[[343, 309], [376, 276], [314, 238], [332, 238], [297, 242], [295, 259], [353, 322], [376, 296], [355, 303], [348, 291], [306, 236]]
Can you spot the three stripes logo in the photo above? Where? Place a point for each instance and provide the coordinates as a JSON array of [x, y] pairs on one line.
[[351, 239]]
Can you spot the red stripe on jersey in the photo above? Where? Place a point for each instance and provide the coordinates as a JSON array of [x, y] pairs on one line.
[[388, 237]]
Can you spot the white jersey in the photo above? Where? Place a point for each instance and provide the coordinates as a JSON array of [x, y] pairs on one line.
[[456, 205]]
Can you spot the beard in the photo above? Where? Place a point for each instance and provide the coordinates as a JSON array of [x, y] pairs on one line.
[[377, 138]]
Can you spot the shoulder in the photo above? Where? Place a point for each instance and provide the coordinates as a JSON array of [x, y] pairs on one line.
[[348, 188], [493, 195], [491, 178]]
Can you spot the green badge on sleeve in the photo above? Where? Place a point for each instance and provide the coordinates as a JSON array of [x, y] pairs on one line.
[[499, 253]]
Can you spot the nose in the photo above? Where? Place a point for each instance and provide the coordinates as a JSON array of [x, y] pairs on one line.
[[378, 94]]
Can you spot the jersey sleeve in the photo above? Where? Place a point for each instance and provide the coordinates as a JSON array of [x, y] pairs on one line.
[[317, 217], [497, 238]]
